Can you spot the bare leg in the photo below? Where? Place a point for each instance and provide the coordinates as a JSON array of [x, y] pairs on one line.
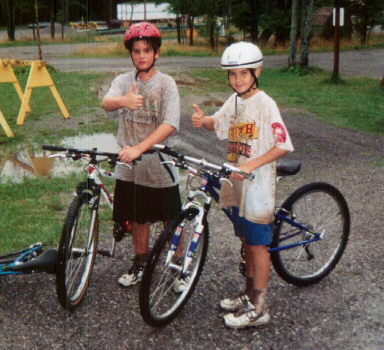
[[140, 235], [258, 265]]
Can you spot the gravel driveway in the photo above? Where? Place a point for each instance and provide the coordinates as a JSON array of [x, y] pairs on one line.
[[344, 311]]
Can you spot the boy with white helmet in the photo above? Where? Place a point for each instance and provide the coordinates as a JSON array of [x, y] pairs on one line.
[[257, 137], [147, 104]]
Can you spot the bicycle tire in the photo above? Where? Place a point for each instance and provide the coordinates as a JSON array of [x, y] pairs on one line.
[[157, 309], [77, 250], [321, 207]]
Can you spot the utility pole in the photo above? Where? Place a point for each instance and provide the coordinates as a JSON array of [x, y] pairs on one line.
[[145, 10], [336, 49]]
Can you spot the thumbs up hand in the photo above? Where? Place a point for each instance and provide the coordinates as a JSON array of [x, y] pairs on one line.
[[131, 100], [197, 117]]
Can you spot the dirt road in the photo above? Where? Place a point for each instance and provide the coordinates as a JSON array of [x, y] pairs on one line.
[[367, 63]]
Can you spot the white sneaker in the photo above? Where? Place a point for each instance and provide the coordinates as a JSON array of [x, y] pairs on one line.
[[180, 284], [132, 277], [249, 317], [235, 303]]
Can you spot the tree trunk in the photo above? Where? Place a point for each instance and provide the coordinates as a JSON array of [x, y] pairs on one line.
[[306, 31], [53, 18], [38, 31], [293, 34], [11, 21], [178, 29], [190, 29]]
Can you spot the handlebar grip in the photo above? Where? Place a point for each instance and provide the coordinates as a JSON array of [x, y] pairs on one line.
[[53, 148], [167, 150]]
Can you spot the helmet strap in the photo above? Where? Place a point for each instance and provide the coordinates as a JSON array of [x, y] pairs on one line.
[[144, 70]]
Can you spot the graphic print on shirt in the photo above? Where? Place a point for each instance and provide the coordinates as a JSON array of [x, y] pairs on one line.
[[238, 136], [279, 133], [149, 113]]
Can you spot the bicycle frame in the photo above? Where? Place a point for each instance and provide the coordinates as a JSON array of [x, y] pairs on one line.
[[211, 186], [8, 261]]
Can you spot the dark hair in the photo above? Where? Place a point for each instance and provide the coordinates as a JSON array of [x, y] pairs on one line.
[[155, 43]]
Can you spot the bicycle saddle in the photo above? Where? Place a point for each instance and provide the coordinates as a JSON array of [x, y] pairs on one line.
[[45, 262], [287, 167]]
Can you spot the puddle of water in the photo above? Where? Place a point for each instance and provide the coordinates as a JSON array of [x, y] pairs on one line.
[[27, 164]]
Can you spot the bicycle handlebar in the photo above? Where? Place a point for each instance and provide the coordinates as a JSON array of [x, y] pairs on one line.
[[225, 168], [93, 152]]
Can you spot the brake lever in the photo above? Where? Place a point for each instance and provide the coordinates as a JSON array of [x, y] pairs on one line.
[[126, 164], [57, 155], [224, 179]]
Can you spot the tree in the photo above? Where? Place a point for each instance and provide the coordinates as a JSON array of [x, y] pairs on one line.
[[301, 26], [306, 28], [367, 14], [11, 20], [294, 34]]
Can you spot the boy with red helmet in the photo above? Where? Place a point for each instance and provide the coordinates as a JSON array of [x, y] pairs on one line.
[[147, 104], [257, 137]]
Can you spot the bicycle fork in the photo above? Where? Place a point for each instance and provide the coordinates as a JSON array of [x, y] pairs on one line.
[[193, 245]]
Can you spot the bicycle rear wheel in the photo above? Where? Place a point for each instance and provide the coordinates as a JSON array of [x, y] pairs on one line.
[[160, 301], [77, 250], [321, 208]]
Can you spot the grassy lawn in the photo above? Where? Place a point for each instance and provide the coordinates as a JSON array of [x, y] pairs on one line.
[[45, 123], [358, 104], [35, 209]]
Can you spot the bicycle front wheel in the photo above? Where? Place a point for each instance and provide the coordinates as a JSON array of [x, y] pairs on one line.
[[77, 250], [161, 298], [322, 209]]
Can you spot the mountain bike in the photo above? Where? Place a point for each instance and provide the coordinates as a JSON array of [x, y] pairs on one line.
[[311, 230], [78, 242]]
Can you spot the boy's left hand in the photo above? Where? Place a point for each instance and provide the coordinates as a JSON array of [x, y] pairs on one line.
[[129, 153]]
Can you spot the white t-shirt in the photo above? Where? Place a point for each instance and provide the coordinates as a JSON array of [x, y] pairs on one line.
[[252, 126], [161, 106]]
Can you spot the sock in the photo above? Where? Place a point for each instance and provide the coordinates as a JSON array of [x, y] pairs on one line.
[[141, 259], [249, 286], [258, 298]]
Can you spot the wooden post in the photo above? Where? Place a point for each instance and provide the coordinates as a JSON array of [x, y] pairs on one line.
[[336, 48], [5, 126]]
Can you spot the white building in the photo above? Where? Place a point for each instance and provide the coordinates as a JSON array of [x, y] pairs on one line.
[[137, 12]]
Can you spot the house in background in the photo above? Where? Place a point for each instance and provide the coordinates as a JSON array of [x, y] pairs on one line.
[[150, 11]]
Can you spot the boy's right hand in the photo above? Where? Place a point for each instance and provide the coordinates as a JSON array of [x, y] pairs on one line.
[[131, 100], [197, 117]]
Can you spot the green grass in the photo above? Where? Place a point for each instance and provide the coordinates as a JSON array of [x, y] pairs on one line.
[[45, 122], [33, 211], [357, 104]]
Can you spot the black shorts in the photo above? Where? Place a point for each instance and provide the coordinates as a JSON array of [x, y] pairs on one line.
[[144, 204]]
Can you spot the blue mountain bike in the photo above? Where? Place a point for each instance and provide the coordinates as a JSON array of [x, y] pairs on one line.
[[311, 231]]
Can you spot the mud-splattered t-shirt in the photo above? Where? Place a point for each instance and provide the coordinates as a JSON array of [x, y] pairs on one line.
[[252, 127], [161, 106]]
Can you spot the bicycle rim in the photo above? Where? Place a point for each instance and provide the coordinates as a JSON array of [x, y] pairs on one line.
[[77, 252], [321, 208], [159, 301]]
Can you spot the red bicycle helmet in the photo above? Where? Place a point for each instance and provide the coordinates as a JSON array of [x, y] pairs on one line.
[[142, 31]]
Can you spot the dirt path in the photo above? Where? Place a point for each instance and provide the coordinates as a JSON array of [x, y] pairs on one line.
[[366, 63]]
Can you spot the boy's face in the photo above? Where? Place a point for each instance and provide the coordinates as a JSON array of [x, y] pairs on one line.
[[241, 79], [143, 55]]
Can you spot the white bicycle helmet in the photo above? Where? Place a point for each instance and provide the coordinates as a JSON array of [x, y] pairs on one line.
[[241, 55]]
